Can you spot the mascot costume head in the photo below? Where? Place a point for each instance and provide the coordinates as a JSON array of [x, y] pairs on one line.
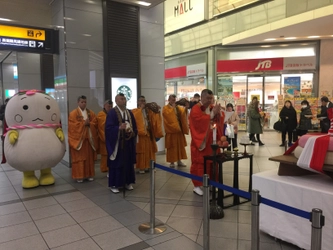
[[34, 138]]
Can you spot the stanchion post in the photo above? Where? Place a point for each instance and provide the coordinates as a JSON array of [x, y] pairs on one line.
[[318, 221], [151, 227], [206, 212], [255, 202], [152, 195]]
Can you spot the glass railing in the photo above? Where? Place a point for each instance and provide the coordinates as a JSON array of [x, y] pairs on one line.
[[212, 32]]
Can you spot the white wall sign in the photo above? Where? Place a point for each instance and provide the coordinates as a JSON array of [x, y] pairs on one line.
[[306, 62], [128, 87], [196, 69], [182, 13]]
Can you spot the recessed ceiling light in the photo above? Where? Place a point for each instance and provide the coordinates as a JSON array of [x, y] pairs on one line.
[[5, 19], [86, 35], [270, 39], [313, 36], [284, 45], [265, 46], [143, 3], [69, 19], [289, 38], [89, 1], [304, 44]]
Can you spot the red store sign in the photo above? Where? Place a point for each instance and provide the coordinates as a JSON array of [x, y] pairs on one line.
[[186, 71], [266, 64]]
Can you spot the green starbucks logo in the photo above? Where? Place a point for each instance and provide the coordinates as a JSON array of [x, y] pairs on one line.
[[126, 91]]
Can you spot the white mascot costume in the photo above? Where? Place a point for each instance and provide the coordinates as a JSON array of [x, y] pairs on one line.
[[34, 138]]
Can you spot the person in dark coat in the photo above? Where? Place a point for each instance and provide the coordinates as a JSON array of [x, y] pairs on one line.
[[289, 117], [195, 100], [255, 122], [305, 119], [324, 121]]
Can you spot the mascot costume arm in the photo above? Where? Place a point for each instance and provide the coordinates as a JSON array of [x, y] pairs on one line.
[[60, 134], [13, 136]]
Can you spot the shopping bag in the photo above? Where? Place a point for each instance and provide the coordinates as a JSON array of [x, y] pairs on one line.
[[229, 131], [280, 126]]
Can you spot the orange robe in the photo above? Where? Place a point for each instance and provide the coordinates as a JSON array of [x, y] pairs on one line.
[[83, 144], [175, 126], [202, 138], [149, 129], [101, 117]]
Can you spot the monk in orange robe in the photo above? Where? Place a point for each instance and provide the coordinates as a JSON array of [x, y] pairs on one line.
[[175, 126], [202, 118], [101, 117], [149, 124], [83, 141]]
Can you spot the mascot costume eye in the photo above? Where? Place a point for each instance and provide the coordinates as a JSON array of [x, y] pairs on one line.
[[34, 139]]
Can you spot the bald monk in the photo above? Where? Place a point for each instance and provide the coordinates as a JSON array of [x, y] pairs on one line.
[[120, 140], [202, 117], [149, 124], [175, 125], [101, 117], [83, 141]]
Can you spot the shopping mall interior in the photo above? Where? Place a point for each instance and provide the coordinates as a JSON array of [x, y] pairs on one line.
[[275, 50]]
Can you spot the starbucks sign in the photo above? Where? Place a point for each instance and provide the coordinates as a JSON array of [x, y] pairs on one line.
[[126, 86], [123, 89]]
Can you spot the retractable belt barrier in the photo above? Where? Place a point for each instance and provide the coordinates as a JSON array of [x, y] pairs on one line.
[[315, 216]]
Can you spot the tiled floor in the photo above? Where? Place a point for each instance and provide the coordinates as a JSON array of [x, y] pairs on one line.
[[87, 216]]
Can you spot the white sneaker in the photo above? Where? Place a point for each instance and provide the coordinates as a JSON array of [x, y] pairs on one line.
[[180, 164], [129, 187], [198, 191], [79, 180], [90, 179], [114, 190], [107, 175], [172, 165], [141, 171]]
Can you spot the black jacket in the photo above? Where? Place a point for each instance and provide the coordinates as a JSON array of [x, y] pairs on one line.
[[325, 123], [291, 122], [305, 122]]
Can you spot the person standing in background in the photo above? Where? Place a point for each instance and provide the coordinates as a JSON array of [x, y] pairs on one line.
[[323, 116], [101, 118], [255, 122], [250, 107], [149, 123], [83, 141], [233, 120], [289, 117], [175, 126], [195, 100], [305, 119]]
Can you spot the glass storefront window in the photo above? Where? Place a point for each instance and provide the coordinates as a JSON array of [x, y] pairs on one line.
[[271, 91], [185, 87]]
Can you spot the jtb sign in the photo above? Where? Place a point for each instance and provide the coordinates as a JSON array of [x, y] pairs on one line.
[[182, 13]]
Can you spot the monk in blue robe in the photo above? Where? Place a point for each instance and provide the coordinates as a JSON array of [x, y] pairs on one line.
[[120, 139]]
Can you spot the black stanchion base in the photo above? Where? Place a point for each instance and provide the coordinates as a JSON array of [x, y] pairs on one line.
[[216, 212]]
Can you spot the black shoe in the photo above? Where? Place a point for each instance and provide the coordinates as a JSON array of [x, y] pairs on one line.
[[252, 144], [282, 145], [261, 144]]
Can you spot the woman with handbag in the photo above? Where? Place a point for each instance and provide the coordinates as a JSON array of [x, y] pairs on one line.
[[289, 117], [305, 119], [233, 120]]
